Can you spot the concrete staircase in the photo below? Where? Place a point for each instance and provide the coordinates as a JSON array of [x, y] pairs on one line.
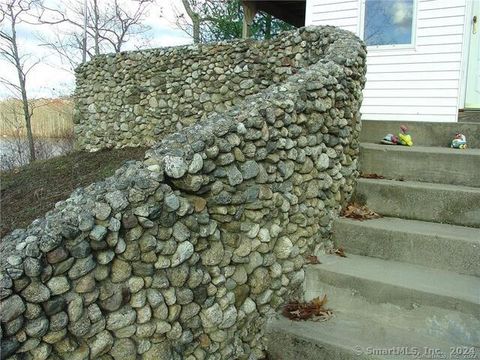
[[410, 285]]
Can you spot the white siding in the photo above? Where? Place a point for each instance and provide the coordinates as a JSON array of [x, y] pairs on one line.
[[421, 82], [341, 13]]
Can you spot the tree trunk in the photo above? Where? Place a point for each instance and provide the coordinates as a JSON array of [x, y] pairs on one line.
[[196, 20], [95, 19], [28, 123], [84, 41], [196, 30], [23, 90], [268, 26], [249, 12]]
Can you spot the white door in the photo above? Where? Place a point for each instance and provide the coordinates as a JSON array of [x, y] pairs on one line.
[[472, 98]]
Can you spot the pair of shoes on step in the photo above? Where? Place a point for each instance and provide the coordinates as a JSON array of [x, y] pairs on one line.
[[403, 138], [459, 141]]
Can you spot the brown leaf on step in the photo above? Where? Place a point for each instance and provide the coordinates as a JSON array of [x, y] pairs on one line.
[[371, 176], [312, 310], [359, 212], [340, 251], [312, 259]]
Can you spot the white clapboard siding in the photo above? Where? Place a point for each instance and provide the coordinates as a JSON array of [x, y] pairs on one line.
[[441, 30], [407, 93], [415, 67], [409, 101], [410, 117], [393, 77], [435, 22], [439, 40], [409, 59], [418, 83], [419, 50], [341, 13]]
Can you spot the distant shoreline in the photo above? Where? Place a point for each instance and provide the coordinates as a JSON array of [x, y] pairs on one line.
[[14, 151]]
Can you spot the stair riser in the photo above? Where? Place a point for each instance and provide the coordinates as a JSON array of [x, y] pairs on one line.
[[451, 206], [454, 167], [441, 252], [286, 346], [423, 133], [379, 292]]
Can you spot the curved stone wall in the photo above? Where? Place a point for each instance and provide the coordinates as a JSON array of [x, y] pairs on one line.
[[136, 98], [185, 254]]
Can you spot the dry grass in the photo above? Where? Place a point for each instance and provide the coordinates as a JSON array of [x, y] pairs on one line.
[[28, 192], [52, 118]]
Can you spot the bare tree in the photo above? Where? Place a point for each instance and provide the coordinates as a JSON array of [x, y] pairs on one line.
[[121, 24], [86, 31], [12, 14], [197, 16], [192, 8], [215, 20]]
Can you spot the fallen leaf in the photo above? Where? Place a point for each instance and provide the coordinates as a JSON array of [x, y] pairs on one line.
[[340, 251], [359, 212], [371, 176], [312, 259], [312, 310]]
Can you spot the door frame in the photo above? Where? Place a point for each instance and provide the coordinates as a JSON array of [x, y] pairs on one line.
[[465, 52]]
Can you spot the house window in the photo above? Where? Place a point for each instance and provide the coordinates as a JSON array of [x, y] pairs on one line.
[[388, 22]]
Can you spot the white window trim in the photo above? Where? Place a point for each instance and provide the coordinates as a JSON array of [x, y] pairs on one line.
[[411, 46]]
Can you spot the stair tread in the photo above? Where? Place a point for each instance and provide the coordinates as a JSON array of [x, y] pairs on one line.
[[435, 245], [422, 149], [423, 133], [404, 275], [360, 324], [422, 185], [464, 233], [354, 336]]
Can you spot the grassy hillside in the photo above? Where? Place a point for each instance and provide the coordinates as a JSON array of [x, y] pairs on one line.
[[28, 192], [51, 118]]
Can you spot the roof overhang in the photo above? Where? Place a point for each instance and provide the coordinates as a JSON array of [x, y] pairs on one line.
[[290, 11]]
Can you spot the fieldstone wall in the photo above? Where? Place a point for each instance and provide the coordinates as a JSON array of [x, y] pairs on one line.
[[185, 254], [136, 98]]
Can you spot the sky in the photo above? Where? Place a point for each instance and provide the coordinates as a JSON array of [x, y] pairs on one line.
[[388, 22], [51, 79]]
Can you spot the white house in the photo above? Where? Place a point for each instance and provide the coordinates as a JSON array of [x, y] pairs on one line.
[[423, 55]]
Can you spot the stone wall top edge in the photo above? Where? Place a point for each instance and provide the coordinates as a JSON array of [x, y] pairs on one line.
[[189, 48]]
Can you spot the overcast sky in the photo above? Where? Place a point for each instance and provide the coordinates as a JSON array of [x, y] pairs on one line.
[[49, 79]]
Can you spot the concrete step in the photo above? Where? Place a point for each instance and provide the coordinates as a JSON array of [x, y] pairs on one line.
[[472, 116], [421, 163], [440, 246], [452, 204], [423, 133], [403, 284], [360, 328]]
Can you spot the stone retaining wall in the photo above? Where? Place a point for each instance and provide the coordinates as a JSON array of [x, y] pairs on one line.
[[185, 254], [136, 98]]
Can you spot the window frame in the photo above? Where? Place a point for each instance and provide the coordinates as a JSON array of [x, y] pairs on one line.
[[412, 45]]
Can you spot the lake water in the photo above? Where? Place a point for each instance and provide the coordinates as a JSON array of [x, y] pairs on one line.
[[14, 152]]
